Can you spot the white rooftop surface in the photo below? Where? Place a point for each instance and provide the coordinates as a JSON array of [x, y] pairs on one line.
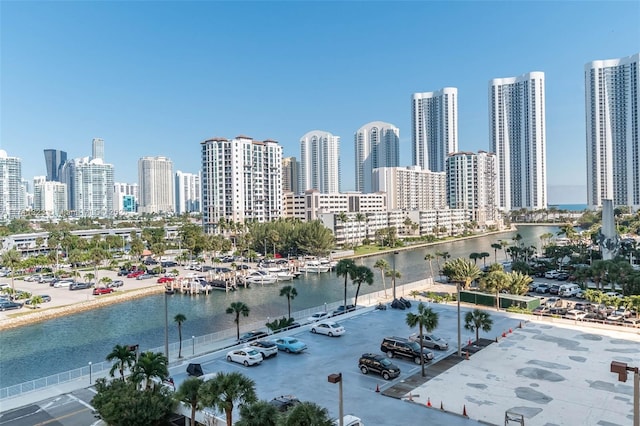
[[552, 374]]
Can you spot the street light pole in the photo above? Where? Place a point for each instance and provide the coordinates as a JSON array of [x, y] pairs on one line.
[[193, 345], [90, 381], [621, 369], [337, 378], [459, 331], [394, 274], [166, 324]]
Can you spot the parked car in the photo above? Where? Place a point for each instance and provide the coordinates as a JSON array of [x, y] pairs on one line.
[[63, 283], [165, 279], [252, 335], [102, 290], [318, 316], [399, 346], [168, 264], [541, 310], [45, 298], [7, 305], [563, 276], [80, 286], [554, 289], [341, 310], [245, 356], [265, 347], [290, 344], [613, 294], [144, 276], [632, 322], [328, 328], [123, 272], [542, 288], [551, 275], [430, 341], [284, 402], [349, 420], [568, 290], [575, 314], [135, 274], [378, 364], [115, 283]]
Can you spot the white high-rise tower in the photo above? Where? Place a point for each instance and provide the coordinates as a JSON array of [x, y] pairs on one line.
[[517, 134], [435, 127], [97, 149], [320, 162], [155, 184], [612, 92], [376, 145]]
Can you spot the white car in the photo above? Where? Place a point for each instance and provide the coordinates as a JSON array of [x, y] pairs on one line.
[[318, 316], [551, 274], [265, 347], [575, 314], [329, 328], [245, 356], [63, 283]]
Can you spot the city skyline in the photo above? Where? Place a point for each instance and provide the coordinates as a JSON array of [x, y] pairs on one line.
[[150, 92]]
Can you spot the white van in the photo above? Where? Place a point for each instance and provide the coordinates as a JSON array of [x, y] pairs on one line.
[[568, 290]]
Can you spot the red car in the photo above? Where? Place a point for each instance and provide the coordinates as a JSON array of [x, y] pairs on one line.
[[102, 290], [163, 280], [135, 274]]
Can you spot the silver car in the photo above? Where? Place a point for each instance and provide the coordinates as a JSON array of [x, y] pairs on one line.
[[430, 341]]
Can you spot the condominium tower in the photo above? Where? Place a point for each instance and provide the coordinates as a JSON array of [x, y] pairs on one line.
[[376, 145], [12, 199], [187, 192], [435, 127], [97, 148], [517, 135], [50, 198], [612, 92], [411, 188], [155, 184], [241, 180], [471, 185], [89, 187], [54, 160], [320, 162], [290, 175]]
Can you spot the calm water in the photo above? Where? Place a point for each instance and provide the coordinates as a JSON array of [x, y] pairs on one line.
[[70, 342]]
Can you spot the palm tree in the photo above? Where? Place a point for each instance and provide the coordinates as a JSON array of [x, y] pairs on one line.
[[308, 413], [496, 281], [383, 266], [12, 260], [429, 258], [290, 293], [483, 255], [362, 274], [496, 247], [477, 320], [474, 256], [35, 300], [179, 319], [188, 393], [259, 413], [425, 319], [125, 358], [461, 271], [150, 365], [519, 282], [345, 268], [504, 244], [238, 308], [97, 255], [225, 390]]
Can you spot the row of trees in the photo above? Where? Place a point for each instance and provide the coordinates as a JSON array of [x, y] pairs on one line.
[[140, 398]]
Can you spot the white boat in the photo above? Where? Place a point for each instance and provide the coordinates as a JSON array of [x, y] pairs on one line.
[[284, 276], [261, 277], [314, 266]]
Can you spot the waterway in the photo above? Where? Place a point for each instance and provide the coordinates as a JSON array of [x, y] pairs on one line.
[[66, 343]]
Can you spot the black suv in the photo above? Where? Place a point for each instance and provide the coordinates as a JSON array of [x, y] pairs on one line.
[[379, 365], [399, 346], [284, 402]]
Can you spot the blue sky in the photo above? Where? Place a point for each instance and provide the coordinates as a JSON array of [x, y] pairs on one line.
[[157, 78]]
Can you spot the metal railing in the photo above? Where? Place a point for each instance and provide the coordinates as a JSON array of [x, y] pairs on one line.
[[200, 345]]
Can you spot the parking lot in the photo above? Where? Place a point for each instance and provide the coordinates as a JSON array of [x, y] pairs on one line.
[[306, 375]]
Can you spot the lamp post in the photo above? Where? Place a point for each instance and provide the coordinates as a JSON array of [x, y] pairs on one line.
[[166, 323], [337, 378], [459, 331], [621, 369], [394, 274], [90, 381], [193, 345]]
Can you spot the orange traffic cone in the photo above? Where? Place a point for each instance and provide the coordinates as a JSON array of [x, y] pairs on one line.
[[377, 388], [428, 402], [467, 356], [464, 411], [504, 334], [469, 343], [510, 331], [441, 407]]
